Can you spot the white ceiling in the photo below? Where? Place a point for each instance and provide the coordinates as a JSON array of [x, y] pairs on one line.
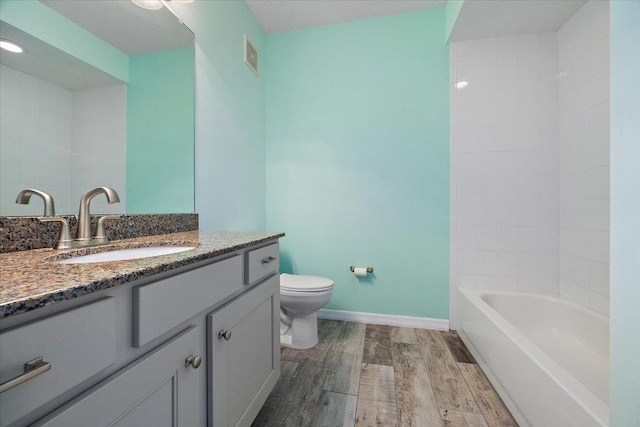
[[124, 25], [287, 15], [480, 19], [477, 19], [47, 63]]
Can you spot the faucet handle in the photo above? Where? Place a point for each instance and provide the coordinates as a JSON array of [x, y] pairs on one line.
[[101, 236], [64, 241]]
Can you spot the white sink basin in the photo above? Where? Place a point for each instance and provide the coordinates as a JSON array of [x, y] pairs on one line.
[[126, 254]]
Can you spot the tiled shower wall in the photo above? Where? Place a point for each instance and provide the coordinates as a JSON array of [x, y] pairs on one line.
[[530, 162], [61, 142], [35, 146], [99, 144], [504, 177], [583, 52]]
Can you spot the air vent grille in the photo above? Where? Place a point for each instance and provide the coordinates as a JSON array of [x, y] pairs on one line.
[[250, 55]]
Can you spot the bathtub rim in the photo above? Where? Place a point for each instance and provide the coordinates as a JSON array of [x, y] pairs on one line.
[[584, 397]]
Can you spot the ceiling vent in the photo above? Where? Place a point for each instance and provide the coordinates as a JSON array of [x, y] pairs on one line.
[[250, 55]]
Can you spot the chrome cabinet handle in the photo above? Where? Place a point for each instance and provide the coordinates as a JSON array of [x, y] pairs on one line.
[[32, 369], [225, 334], [267, 260], [192, 360]]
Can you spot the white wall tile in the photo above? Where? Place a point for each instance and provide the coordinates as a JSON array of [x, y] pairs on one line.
[[509, 117], [465, 138], [536, 128], [466, 164], [599, 303], [507, 263], [486, 238], [466, 188], [583, 54], [486, 282], [506, 283], [506, 213], [466, 238], [599, 278], [486, 263], [99, 132], [466, 262], [529, 111], [497, 163], [34, 150], [507, 238]]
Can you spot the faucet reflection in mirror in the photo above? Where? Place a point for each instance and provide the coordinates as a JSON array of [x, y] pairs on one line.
[[25, 195]]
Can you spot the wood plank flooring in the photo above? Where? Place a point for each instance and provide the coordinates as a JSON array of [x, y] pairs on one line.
[[373, 375]]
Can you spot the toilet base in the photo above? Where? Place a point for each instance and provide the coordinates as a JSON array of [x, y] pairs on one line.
[[303, 332]]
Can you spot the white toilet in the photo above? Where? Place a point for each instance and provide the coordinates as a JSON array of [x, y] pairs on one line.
[[300, 299]]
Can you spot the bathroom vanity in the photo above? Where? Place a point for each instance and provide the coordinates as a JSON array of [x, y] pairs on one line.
[[189, 339]]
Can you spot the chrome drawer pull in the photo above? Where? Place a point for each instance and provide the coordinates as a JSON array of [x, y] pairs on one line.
[[267, 260], [32, 369], [225, 334]]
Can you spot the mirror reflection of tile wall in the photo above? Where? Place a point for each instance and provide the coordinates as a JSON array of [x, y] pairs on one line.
[[59, 141]]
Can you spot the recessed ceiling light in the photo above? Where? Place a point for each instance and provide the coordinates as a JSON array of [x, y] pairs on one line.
[[461, 84], [148, 4], [10, 46]]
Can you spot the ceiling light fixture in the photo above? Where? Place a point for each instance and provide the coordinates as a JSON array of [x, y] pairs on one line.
[[461, 84], [10, 46], [157, 5], [148, 4]]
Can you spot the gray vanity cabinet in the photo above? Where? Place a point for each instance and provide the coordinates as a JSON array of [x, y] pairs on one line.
[[244, 355], [191, 346], [158, 389]]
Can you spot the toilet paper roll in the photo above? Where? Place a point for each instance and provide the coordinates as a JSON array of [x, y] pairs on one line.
[[360, 271]]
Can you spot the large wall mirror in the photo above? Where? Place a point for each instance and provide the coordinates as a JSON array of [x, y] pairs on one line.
[[103, 95]]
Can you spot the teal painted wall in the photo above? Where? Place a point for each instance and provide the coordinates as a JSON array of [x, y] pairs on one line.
[[230, 116], [358, 159], [625, 225], [160, 115], [44, 23], [452, 11]]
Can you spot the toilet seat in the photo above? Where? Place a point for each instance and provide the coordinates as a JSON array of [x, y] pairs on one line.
[[298, 283]]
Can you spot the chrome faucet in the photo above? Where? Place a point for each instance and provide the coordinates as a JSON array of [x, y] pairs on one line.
[[25, 195], [84, 216]]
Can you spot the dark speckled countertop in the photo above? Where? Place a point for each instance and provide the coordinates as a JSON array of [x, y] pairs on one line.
[[32, 279]]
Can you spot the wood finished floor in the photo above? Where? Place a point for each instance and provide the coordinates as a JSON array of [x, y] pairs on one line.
[[372, 375]]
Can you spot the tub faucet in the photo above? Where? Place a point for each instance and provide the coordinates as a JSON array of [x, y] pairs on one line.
[[25, 195], [84, 216]]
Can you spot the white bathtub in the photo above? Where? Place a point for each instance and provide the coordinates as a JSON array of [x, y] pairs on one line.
[[547, 357]]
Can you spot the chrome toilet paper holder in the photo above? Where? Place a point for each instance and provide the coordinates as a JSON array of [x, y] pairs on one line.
[[353, 269]]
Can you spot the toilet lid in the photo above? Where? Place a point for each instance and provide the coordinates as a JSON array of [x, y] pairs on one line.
[[298, 283]]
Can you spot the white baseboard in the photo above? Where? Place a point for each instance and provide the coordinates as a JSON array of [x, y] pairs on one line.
[[385, 319]]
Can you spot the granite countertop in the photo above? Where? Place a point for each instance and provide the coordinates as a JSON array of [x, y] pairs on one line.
[[32, 279]]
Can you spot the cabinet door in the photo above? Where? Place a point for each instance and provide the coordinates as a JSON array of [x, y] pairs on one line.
[[244, 355], [144, 393]]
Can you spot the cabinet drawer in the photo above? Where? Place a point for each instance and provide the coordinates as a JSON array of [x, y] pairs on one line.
[[68, 342], [261, 262], [161, 306]]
